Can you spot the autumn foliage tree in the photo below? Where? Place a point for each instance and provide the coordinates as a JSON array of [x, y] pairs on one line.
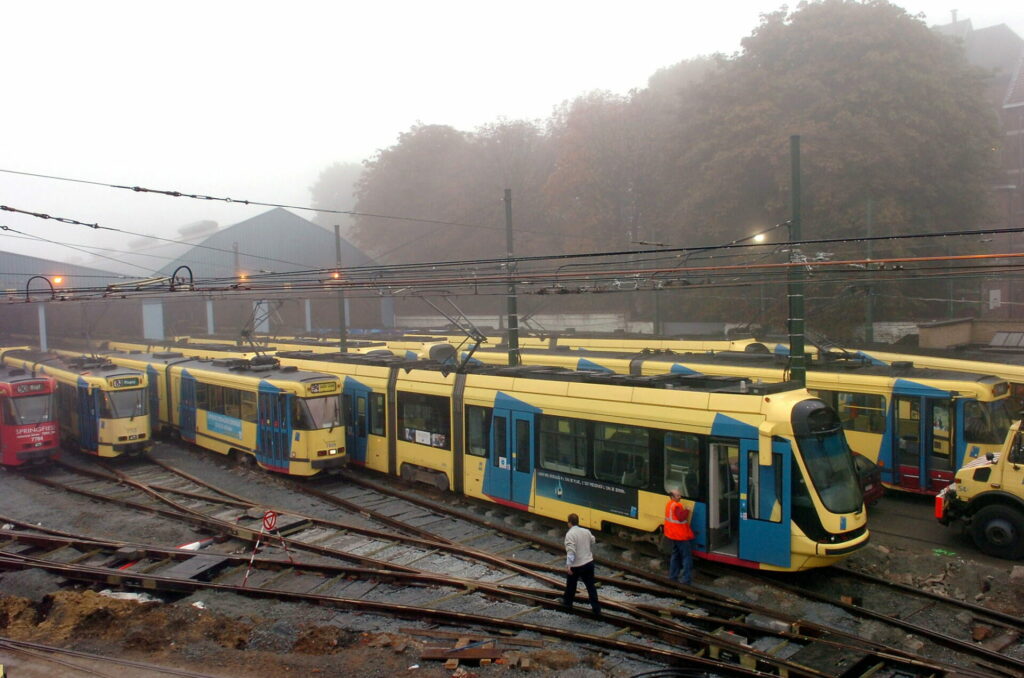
[[894, 123]]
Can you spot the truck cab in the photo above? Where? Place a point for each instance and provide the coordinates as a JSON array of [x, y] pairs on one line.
[[987, 495]]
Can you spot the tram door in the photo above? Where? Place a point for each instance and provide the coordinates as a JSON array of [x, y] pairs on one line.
[[765, 509], [355, 402], [512, 456], [924, 443], [724, 498]]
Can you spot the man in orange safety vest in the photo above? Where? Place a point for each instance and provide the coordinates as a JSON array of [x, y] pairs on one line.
[[680, 536]]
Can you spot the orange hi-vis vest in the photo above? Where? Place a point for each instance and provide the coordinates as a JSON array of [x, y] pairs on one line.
[[677, 522]]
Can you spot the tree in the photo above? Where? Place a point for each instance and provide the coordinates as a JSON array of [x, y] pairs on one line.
[[335, 190], [890, 114]]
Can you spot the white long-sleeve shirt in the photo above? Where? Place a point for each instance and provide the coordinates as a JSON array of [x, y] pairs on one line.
[[578, 543]]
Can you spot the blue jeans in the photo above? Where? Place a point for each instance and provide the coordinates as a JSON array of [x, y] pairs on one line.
[[681, 560]]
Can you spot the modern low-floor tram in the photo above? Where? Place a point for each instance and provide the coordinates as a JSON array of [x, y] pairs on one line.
[[765, 468]]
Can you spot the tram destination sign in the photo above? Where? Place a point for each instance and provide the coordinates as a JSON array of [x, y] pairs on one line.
[[323, 387], [123, 382], [32, 387]]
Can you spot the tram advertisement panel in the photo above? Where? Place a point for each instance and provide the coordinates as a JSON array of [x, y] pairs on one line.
[[587, 492]]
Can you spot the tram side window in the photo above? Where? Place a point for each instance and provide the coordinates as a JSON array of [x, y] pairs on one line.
[[563, 445], [378, 418], [682, 463], [202, 399], [67, 399], [424, 419], [862, 412], [764, 489], [232, 402], [248, 407], [621, 453], [478, 429]]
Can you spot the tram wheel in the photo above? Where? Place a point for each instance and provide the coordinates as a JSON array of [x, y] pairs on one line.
[[999, 531]]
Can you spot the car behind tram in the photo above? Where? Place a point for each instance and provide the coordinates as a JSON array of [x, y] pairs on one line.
[[28, 423]]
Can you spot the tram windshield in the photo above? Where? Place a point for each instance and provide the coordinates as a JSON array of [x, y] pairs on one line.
[[24, 410], [315, 413], [987, 423], [829, 461], [123, 404]]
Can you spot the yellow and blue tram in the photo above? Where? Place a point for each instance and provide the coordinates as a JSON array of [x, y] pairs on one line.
[[102, 407], [289, 421], [919, 425], [765, 468]]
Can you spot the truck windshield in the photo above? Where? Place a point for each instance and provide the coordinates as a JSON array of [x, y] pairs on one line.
[[33, 409], [987, 423], [829, 461], [123, 404], [316, 413]]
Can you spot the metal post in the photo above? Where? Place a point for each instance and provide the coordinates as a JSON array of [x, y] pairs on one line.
[[869, 310], [43, 346], [795, 287], [209, 317], [513, 313], [342, 324]]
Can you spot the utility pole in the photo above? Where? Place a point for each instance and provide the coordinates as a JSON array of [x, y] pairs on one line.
[[795, 286], [342, 323], [869, 310], [513, 313]]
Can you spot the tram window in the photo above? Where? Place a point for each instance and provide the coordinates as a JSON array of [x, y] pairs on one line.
[[202, 399], [478, 429], [232, 402], [764, 489], [424, 419], [620, 454], [247, 407], [216, 398], [563, 445], [864, 412], [378, 418], [500, 442], [940, 436], [682, 463], [523, 446]]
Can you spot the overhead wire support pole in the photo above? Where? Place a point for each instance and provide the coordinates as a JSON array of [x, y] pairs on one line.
[[795, 285], [513, 313], [342, 321]]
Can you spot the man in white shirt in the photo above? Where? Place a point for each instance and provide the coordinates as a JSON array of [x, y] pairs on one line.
[[579, 563]]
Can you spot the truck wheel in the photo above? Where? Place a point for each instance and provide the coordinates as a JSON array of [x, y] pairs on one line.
[[999, 531]]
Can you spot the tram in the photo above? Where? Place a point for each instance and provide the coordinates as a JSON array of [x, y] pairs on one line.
[[28, 424], [288, 420], [101, 407], [919, 425], [765, 468]]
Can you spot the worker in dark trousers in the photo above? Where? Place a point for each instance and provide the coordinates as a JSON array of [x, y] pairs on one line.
[[579, 563], [680, 536]]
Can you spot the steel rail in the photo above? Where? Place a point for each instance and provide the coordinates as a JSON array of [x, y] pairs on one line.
[[969, 649], [39, 650]]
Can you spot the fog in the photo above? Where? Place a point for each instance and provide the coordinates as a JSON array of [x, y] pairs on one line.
[[252, 100]]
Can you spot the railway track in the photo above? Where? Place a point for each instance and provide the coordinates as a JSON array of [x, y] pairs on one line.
[[432, 552]]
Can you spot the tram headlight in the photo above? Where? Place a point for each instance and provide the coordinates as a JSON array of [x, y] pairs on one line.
[[327, 453]]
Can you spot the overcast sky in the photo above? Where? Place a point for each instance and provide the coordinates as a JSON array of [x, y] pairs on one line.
[[251, 100]]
